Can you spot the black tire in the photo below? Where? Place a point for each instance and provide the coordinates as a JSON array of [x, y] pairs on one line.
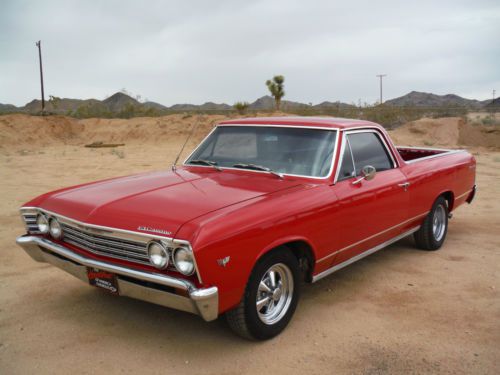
[[426, 237], [244, 319]]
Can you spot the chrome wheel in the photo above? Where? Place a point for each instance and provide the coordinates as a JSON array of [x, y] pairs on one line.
[[274, 294], [439, 223]]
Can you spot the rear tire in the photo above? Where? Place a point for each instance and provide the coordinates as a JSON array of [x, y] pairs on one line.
[[270, 298], [432, 233]]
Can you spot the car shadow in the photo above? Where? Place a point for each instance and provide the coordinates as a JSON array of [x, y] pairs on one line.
[[100, 313]]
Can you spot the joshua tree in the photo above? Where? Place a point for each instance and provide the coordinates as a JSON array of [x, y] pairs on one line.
[[277, 89], [241, 107]]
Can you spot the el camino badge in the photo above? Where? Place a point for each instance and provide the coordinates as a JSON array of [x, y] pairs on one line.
[[154, 230]]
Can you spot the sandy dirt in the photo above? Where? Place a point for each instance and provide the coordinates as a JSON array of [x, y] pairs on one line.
[[400, 310]]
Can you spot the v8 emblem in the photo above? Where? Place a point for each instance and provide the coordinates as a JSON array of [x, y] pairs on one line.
[[223, 261]]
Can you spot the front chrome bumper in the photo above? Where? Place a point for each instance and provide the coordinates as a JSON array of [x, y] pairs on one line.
[[131, 283]]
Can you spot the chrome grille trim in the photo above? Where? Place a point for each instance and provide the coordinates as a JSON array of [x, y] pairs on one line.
[[139, 247], [29, 220], [104, 246]]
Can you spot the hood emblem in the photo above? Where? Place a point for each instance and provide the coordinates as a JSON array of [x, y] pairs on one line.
[[223, 261], [154, 230]]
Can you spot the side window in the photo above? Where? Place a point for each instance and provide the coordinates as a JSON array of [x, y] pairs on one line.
[[368, 149], [347, 167]]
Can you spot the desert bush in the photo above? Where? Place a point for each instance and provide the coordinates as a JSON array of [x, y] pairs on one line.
[[91, 110], [241, 107], [119, 153]]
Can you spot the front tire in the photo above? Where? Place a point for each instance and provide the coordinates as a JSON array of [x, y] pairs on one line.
[[270, 298], [432, 233]]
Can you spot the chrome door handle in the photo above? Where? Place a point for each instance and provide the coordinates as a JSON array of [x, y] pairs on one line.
[[404, 185]]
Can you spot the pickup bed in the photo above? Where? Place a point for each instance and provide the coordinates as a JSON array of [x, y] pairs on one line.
[[261, 205]]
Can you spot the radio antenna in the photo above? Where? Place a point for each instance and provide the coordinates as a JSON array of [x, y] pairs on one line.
[[195, 125]]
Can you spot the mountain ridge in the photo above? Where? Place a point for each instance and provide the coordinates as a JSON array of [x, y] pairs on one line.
[[425, 99], [120, 102]]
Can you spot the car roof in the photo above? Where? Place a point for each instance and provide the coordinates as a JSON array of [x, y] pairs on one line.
[[324, 122]]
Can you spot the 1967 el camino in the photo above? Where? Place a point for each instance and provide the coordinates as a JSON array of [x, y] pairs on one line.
[[260, 206]]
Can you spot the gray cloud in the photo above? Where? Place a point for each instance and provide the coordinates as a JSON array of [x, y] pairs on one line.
[[196, 51]]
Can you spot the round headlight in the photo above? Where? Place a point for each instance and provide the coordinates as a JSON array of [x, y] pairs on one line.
[[183, 261], [158, 255], [42, 223], [55, 228]]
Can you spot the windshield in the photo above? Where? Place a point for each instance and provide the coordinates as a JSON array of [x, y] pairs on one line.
[[287, 150]]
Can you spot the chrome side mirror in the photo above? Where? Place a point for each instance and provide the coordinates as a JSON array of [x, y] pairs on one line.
[[367, 173]]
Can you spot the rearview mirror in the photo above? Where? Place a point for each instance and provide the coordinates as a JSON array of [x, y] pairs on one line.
[[368, 172]]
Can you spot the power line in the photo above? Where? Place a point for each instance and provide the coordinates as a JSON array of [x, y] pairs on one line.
[[381, 76], [39, 45]]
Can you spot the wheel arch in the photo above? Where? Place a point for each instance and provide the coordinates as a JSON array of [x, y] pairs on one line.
[[303, 250], [450, 198]]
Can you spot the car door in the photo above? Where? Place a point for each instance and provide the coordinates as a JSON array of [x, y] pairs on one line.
[[373, 211]]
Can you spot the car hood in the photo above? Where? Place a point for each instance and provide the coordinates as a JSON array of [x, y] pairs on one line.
[[160, 202]]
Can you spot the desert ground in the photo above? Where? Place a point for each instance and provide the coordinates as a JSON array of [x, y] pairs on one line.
[[400, 310]]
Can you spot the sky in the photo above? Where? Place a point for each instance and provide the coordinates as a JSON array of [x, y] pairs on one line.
[[224, 51]]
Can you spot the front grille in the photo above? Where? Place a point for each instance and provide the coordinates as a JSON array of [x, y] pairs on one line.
[[114, 243], [30, 222], [105, 245]]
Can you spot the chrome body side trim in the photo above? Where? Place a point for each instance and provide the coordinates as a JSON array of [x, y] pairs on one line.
[[203, 302], [371, 237], [362, 255], [334, 155], [464, 194]]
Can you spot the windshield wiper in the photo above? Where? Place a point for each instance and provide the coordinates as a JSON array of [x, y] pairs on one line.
[[209, 163], [257, 168]]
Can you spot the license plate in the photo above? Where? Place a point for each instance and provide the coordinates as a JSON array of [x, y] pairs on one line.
[[102, 279]]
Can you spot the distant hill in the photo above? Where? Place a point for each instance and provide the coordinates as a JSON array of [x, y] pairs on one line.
[[493, 104], [118, 101], [333, 105], [210, 106], [154, 105], [58, 105], [8, 108], [266, 103], [424, 99]]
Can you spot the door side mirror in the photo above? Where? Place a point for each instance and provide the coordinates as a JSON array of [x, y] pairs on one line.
[[367, 173]]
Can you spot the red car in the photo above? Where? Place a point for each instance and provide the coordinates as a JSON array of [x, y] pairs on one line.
[[261, 205]]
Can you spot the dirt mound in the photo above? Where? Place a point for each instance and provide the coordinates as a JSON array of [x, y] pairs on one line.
[[450, 132], [173, 128], [24, 130]]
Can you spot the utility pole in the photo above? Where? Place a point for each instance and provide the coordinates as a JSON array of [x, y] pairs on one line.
[[381, 76], [494, 92], [39, 45]]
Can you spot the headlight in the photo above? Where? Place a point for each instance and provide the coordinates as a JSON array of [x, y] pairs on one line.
[[158, 255], [183, 261], [55, 228], [42, 223]]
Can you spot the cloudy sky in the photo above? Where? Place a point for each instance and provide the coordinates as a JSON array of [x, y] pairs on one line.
[[223, 51]]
